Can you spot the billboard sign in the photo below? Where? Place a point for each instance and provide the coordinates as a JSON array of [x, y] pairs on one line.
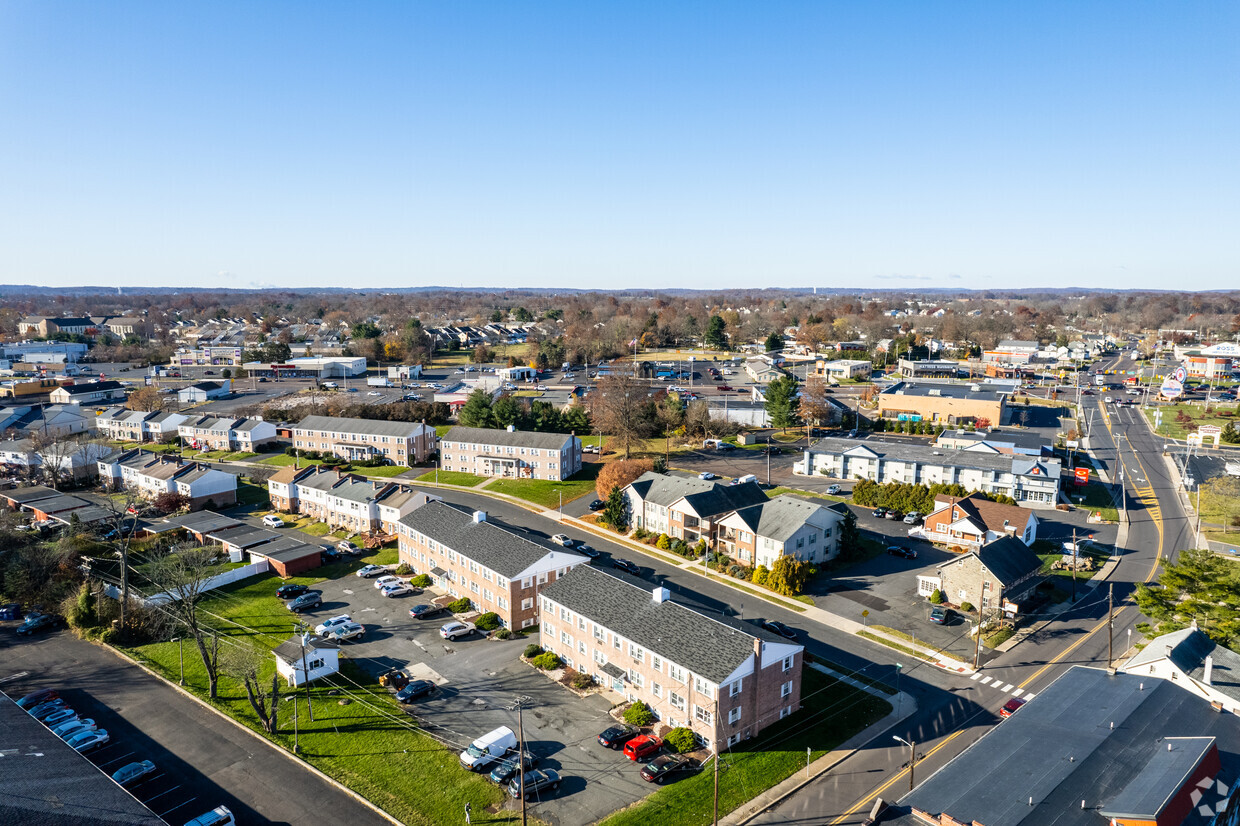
[[1082, 475], [1171, 388], [1180, 374]]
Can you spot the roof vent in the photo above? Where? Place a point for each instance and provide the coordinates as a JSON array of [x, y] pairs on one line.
[[1208, 677], [661, 594], [512, 428], [480, 516]]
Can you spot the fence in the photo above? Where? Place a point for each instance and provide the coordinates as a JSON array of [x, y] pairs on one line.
[[219, 580]]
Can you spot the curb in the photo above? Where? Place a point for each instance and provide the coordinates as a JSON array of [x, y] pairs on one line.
[[275, 747]]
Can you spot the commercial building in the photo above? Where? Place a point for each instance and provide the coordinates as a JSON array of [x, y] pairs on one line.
[[949, 404], [518, 454], [1031, 482], [997, 575], [31, 387], [204, 391], [49, 351], [95, 392], [228, 356], [1009, 442], [151, 474], [1011, 352], [313, 367], [724, 679], [1195, 662], [467, 555], [44, 326], [401, 443], [972, 521], [687, 508], [843, 369], [343, 500], [927, 368], [139, 425]]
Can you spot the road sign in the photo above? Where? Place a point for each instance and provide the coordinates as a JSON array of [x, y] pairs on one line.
[[1082, 475], [1171, 388]]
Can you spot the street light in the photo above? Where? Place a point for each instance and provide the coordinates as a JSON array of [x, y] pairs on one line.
[[912, 757], [181, 655]]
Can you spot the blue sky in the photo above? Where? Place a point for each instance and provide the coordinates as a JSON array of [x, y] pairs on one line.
[[895, 144]]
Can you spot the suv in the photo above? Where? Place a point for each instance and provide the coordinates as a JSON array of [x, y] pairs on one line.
[[536, 781], [641, 747], [616, 736], [272, 521], [306, 602]]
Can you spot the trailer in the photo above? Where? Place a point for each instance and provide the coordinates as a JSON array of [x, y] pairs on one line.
[[379, 381]]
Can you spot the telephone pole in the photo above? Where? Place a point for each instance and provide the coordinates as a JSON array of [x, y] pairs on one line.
[[521, 759], [305, 673], [715, 740], [1110, 624]]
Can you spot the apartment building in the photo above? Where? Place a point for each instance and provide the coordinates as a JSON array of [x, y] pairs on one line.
[[150, 474], [950, 404], [1023, 442], [723, 678], [467, 555], [139, 425], [222, 356], [343, 500], [95, 392], [1032, 482], [783, 526], [512, 453], [228, 433], [686, 508], [401, 443], [44, 326]]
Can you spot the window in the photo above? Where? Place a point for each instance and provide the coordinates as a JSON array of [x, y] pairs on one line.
[[701, 686], [527, 622], [581, 646], [783, 712], [734, 715], [656, 663], [566, 639], [702, 714], [676, 672], [677, 701], [581, 623], [787, 663], [527, 604], [547, 607], [598, 633], [616, 641], [549, 629], [527, 582], [636, 678], [600, 657], [785, 689], [564, 615], [636, 652], [656, 689], [473, 586], [735, 688]]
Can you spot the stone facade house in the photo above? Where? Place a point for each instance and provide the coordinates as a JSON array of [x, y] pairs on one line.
[[1000, 572]]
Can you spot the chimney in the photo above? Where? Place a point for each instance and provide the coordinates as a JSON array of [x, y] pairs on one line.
[[480, 516], [1208, 677], [661, 594]]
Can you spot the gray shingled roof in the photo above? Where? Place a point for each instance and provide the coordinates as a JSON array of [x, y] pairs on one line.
[[487, 543], [1189, 649], [291, 649], [706, 497], [779, 518], [507, 438], [1007, 558], [926, 455], [370, 427], [708, 645], [95, 387]]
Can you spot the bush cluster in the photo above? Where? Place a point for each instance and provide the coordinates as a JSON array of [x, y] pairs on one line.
[[547, 661], [906, 497], [680, 740], [487, 622], [421, 581], [403, 569], [503, 634], [638, 714], [460, 606], [937, 597], [532, 650]]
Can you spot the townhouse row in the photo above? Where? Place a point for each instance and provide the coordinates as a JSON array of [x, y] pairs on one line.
[[204, 432], [343, 500], [151, 474]]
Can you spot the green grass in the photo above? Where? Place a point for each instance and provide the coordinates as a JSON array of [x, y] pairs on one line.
[[895, 646], [780, 491], [381, 472], [1050, 552], [906, 636], [451, 477], [441, 430], [832, 712], [249, 493], [1097, 497], [870, 548], [547, 493], [999, 637], [1196, 410]]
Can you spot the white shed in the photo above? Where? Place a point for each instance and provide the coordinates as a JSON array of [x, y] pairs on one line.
[[322, 659]]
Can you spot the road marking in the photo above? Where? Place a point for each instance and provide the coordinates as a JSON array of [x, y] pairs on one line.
[[1006, 688], [179, 805], [16, 676], [161, 794], [986, 680], [977, 675], [1065, 653], [1029, 695], [1016, 692], [865, 801]]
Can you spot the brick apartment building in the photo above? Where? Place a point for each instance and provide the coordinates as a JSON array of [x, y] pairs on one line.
[[402, 443], [719, 676], [467, 555], [513, 453], [343, 500]]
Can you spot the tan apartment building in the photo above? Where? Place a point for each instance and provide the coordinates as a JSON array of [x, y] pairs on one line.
[[723, 678], [343, 500], [949, 404], [139, 425], [401, 443], [150, 474], [513, 453], [783, 526], [467, 555], [228, 433], [686, 508]]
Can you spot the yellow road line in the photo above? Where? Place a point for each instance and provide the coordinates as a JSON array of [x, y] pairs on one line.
[[1065, 653], [865, 801]]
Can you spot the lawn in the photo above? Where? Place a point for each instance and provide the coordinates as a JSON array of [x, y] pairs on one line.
[[1196, 412], [546, 492], [1096, 497], [1051, 552], [381, 472], [250, 493], [832, 712], [451, 477], [773, 492]]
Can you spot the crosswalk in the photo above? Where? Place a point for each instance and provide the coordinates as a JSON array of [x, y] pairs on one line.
[[1008, 688]]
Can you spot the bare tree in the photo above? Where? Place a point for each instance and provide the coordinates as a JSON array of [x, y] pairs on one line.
[[120, 523], [183, 576], [145, 399], [618, 407], [245, 663], [816, 406]]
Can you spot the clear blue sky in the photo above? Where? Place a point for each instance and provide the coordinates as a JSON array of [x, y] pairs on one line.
[[620, 144]]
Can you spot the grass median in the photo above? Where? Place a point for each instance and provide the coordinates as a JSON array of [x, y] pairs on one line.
[[451, 477]]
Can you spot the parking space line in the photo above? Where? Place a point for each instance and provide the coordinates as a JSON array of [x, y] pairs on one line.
[[174, 808], [161, 794], [117, 760]]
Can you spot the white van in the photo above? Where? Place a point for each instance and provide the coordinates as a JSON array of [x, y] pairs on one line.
[[748, 477], [488, 748], [219, 816]]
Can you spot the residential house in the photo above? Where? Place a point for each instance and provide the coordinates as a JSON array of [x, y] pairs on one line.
[[139, 425], [973, 521], [762, 371], [300, 660], [151, 474], [495, 567], [343, 500], [686, 508], [1193, 661], [126, 326], [401, 443], [997, 575], [512, 453], [53, 421], [1031, 482], [725, 679], [784, 526], [205, 391], [248, 434], [949, 404], [96, 392]]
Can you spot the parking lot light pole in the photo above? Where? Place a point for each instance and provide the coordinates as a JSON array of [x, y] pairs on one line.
[[912, 757]]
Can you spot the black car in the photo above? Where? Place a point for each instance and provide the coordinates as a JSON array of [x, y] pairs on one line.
[[774, 451], [664, 766], [306, 602], [424, 611], [415, 689], [506, 769], [894, 514], [779, 628], [330, 556], [586, 550], [616, 736], [597, 505], [880, 513], [39, 622], [536, 782], [902, 551], [626, 566], [291, 590]]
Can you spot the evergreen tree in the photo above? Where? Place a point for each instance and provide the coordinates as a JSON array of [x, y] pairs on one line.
[[715, 337], [775, 341], [781, 402], [477, 410]]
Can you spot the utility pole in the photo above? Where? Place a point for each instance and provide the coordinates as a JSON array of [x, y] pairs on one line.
[[1074, 565], [715, 741], [1110, 624], [521, 759], [305, 673], [295, 732], [977, 644]]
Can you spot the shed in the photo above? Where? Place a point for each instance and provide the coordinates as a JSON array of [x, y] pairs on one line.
[[321, 658]]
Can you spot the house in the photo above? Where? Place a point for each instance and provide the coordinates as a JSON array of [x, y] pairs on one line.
[[950, 404], [469, 556], [96, 392], [139, 425], [151, 474], [723, 678], [52, 421], [1195, 662], [843, 369], [1009, 442], [204, 391], [288, 552], [300, 660], [400, 443], [1091, 749], [998, 574], [784, 526], [1031, 482], [343, 500], [247, 434], [125, 326], [762, 371], [512, 453], [927, 368], [684, 507], [973, 521]]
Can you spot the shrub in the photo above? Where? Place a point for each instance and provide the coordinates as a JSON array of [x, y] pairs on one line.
[[640, 533], [937, 597], [532, 650], [403, 569], [421, 581], [638, 714], [503, 634], [966, 606], [290, 451], [487, 622], [759, 575], [680, 740], [460, 606], [547, 661], [738, 571], [582, 681], [700, 548], [663, 543], [618, 475]]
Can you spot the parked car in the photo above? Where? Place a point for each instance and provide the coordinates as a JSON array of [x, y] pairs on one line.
[[330, 555], [664, 766], [11, 611], [626, 566], [706, 475], [586, 550], [306, 602], [348, 548], [37, 698], [395, 678], [894, 515], [725, 387], [912, 518], [616, 736], [415, 689], [880, 513], [597, 505], [60, 716], [367, 571], [348, 631], [834, 490], [940, 615], [133, 772], [43, 709], [398, 589], [537, 781], [66, 727], [291, 590], [642, 747], [456, 630], [773, 450], [384, 581], [36, 623], [272, 521], [780, 629], [507, 768], [562, 539], [1010, 707], [87, 740], [902, 551], [424, 611]]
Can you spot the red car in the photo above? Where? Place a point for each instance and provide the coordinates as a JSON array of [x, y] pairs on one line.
[[642, 747], [1009, 708], [725, 387]]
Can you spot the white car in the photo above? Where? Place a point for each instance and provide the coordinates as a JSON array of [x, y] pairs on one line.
[[348, 631], [562, 539], [833, 490], [707, 475], [396, 589], [272, 521], [367, 571], [384, 581], [328, 626], [455, 630], [374, 393]]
